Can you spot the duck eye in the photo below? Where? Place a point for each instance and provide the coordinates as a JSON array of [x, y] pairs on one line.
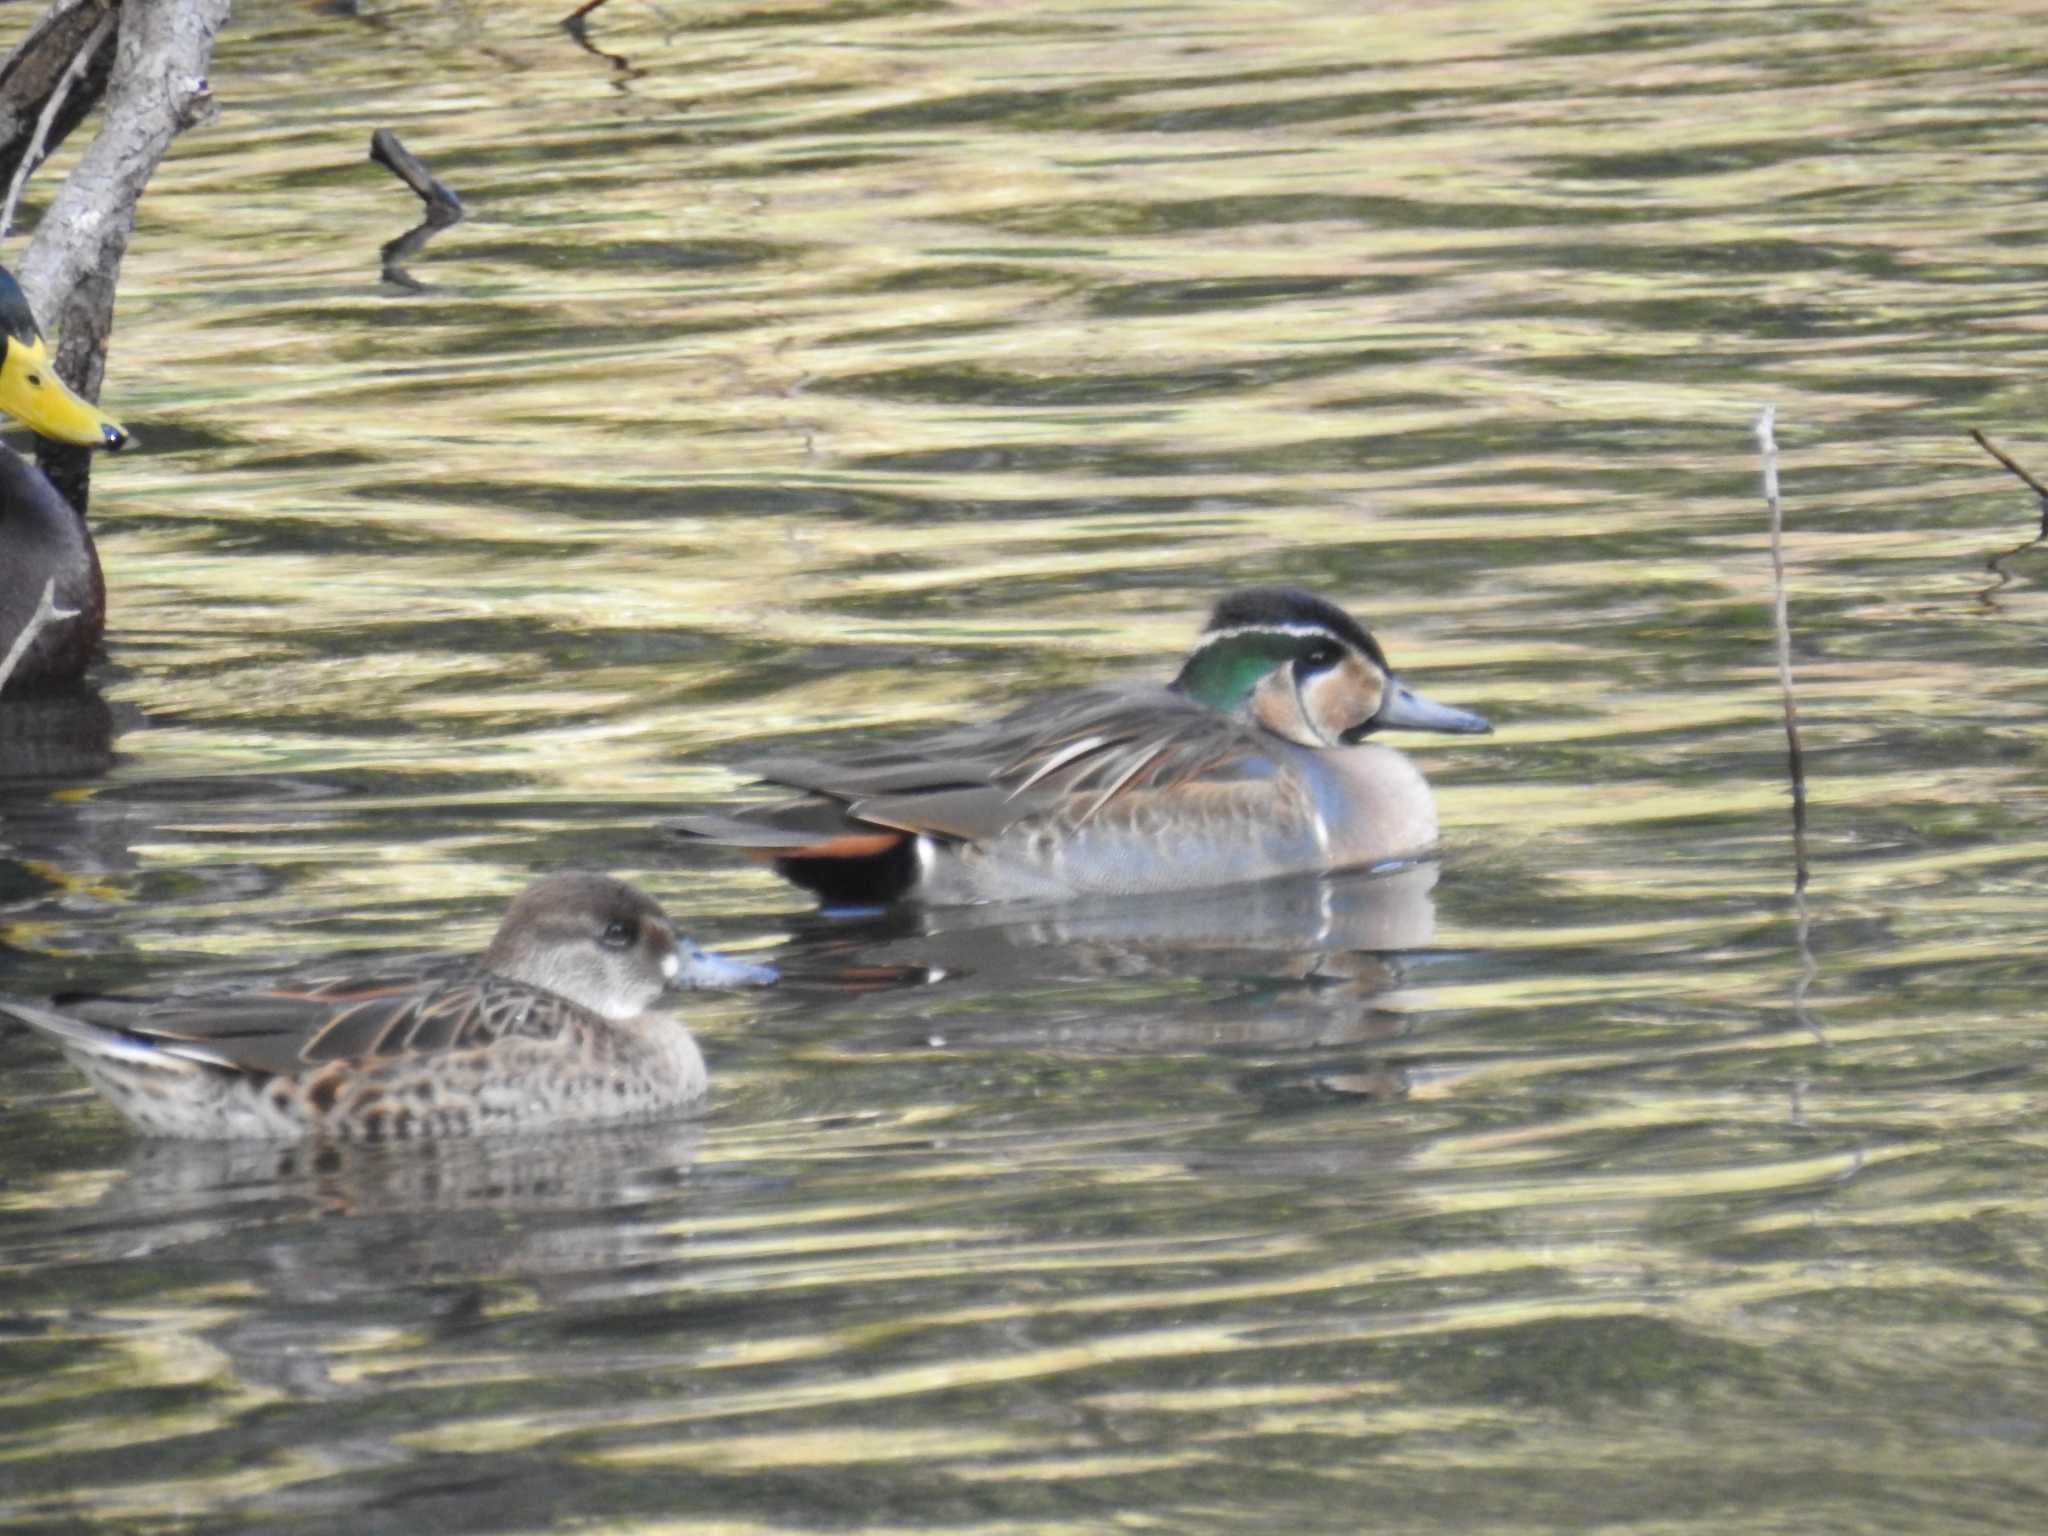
[[35, 381], [616, 935], [1321, 658]]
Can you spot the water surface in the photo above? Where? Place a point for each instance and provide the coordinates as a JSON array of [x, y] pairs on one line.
[[813, 371]]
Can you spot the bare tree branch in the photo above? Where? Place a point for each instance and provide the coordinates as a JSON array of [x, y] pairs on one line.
[[39, 141], [30, 74], [158, 88]]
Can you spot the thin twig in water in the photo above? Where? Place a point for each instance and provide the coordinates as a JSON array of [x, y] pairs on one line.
[[1995, 564], [2030, 482], [443, 206], [1795, 759], [47, 613], [33, 155], [389, 151], [576, 24]]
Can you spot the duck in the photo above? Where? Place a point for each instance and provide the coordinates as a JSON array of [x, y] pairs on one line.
[[43, 537], [1253, 763], [552, 1026]]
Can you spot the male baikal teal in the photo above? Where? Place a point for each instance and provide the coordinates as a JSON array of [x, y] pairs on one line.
[[1252, 763]]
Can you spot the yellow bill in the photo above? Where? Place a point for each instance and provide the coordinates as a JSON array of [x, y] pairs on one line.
[[31, 392]]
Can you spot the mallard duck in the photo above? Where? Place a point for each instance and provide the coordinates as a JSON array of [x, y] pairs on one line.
[[43, 539], [1251, 763], [550, 1027]]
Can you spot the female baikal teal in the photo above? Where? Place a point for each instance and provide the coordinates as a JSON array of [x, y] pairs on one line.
[[1252, 763], [552, 1027]]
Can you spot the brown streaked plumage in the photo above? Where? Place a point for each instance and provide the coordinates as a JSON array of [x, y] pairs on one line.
[[550, 1027]]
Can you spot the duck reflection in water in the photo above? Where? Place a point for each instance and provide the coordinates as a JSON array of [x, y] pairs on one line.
[[1303, 964], [175, 1193], [416, 1237]]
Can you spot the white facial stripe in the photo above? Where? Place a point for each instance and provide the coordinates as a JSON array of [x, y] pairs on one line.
[[1299, 631], [670, 964]]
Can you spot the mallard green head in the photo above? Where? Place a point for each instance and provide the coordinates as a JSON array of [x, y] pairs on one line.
[[1306, 670], [30, 390]]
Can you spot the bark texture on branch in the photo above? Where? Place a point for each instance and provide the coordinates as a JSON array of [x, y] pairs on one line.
[[31, 72]]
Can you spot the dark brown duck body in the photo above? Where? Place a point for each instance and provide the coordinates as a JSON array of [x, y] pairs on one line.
[[43, 539]]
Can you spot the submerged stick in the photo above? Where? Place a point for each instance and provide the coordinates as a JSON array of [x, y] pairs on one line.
[[443, 206], [47, 613], [1995, 564], [577, 25], [389, 151], [1795, 758], [2028, 480]]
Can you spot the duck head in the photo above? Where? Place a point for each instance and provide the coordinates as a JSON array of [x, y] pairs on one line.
[[30, 390], [1304, 669], [606, 946]]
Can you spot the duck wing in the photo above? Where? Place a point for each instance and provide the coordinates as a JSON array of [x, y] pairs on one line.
[[295, 1025], [1068, 757]]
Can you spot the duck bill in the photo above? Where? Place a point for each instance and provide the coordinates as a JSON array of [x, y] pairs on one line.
[[1406, 710], [32, 394], [707, 968]]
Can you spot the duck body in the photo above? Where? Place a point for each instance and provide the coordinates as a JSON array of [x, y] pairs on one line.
[[43, 538], [551, 1027], [1251, 765]]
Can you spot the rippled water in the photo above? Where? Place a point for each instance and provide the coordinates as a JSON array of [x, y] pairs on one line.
[[821, 369]]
